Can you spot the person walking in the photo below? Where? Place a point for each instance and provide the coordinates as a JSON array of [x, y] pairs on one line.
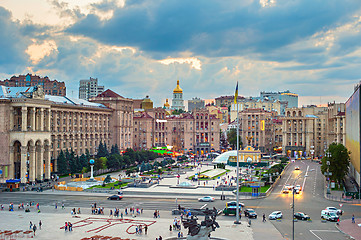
[[31, 225], [40, 223], [34, 229], [146, 229], [353, 218], [263, 218]]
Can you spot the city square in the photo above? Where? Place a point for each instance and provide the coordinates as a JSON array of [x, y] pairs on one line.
[[197, 120]]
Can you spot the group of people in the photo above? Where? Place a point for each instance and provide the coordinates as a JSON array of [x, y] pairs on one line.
[[115, 213], [33, 227], [97, 210], [74, 212], [133, 210], [176, 225], [139, 229], [156, 214], [68, 226]]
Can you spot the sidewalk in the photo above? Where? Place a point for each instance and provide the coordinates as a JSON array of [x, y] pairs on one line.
[[87, 225], [351, 229]]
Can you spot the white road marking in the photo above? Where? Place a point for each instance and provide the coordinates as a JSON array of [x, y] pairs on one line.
[[285, 183], [304, 181], [312, 231], [204, 206]]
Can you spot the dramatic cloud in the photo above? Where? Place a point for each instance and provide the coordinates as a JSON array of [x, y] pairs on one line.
[[140, 48]]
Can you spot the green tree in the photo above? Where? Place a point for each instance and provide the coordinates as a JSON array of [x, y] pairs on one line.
[[100, 163], [102, 150], [232, 138], [339, 159], [62, 163], [113, 161], [115, 149], [178, 112]]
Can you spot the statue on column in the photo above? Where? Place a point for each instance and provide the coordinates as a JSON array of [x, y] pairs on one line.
[[203, 230]]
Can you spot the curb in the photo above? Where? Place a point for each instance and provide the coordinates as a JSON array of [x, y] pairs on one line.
[[344, 232]]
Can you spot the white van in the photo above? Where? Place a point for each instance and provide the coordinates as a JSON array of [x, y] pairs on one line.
[[329, 216]]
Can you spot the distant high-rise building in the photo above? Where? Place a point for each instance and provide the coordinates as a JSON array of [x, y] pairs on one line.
[[286, 98], [195, 103], [177, 101], [89, 88], [51, 87]]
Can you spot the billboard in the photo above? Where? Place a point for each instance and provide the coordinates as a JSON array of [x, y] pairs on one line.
[[353, 128]]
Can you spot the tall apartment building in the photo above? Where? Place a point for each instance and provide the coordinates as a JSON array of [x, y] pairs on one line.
[[256, 128], [50, 87], [255, 103], [195, 103], [305, 131], [286, 98], [336, 123], [197, 132], [89, 88], [35, 127]]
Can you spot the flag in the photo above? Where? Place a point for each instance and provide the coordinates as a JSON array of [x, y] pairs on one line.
[[236, 94]]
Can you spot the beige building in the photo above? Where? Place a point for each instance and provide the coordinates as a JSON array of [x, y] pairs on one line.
[[245, 103], [256, 128], [219, 112], [310, 130], [35, 127], [198, 132]]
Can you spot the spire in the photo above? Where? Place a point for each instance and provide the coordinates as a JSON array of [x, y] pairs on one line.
[[177, 89]]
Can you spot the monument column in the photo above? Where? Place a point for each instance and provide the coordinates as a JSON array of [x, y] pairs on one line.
[[32, 119]]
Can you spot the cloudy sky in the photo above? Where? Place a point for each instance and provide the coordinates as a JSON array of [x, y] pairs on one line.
[[141, 47]]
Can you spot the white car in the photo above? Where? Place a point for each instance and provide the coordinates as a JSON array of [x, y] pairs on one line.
[[275, 215], [206, 199], [289, 187], [334, 210]]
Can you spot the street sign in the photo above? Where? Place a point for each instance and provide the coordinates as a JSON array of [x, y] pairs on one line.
[[341, 204]]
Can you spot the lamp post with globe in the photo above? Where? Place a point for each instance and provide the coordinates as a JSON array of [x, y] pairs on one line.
[[91, 161]]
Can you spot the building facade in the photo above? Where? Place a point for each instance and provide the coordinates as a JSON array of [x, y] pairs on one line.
[[89, 88], [195, 103], [51, 87], [336, 123], [35, 127], [286, 99], [177, 101]]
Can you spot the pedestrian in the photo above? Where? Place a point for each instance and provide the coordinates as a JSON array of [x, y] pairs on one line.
[[40, 223], [146, 229], [62, 206], [264, 218], [160, 238], [70, 226], [121, 215], [66, 226], [31, 225], [353, 218], [170, 228], [34, 229], [158, 215], [56, 205]]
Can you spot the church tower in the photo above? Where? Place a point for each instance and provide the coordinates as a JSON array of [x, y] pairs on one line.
[[177, 101]]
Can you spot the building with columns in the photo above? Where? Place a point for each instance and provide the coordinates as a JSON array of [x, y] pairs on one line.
[[177, 101], [35, 127]]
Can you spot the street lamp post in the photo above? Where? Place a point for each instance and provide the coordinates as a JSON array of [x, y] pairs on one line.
[[328, 154], [293, 206]]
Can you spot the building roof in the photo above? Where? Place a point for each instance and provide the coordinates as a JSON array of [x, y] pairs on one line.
[[72, 101], [109, 93], [15, 92], [177, 89], [142, 115]]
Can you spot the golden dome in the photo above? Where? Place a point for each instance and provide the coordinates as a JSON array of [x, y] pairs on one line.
[[177, 89], [166, 104]]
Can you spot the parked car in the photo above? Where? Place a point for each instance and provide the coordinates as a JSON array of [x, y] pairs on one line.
[[115, 197], [329, 216], [301, 216], [206, 199], [275, 215], [249, 212], [335, 210]]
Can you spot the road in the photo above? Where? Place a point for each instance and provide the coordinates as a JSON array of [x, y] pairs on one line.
[[311, 201]]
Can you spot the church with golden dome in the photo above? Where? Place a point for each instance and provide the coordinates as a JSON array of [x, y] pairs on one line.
[[177, 101]]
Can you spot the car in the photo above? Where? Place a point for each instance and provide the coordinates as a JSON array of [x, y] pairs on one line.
[[289, 187], [297, 168], [329, 216], [334, 210], [298, 187], [249, 212], [301, 216], [285, 190], [206, 199], [275, 215], [115, 197]]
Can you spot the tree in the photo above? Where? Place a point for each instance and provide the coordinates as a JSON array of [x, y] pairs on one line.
[[339, 161], [102, 150], [100, 163], [62, 163], [178, 112], [113, 161], [115, 149], [232, 138]]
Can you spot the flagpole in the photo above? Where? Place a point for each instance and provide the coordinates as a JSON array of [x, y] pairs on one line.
[[237, 185]]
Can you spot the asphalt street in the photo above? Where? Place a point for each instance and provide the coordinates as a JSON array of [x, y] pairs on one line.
[[311, 201]]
